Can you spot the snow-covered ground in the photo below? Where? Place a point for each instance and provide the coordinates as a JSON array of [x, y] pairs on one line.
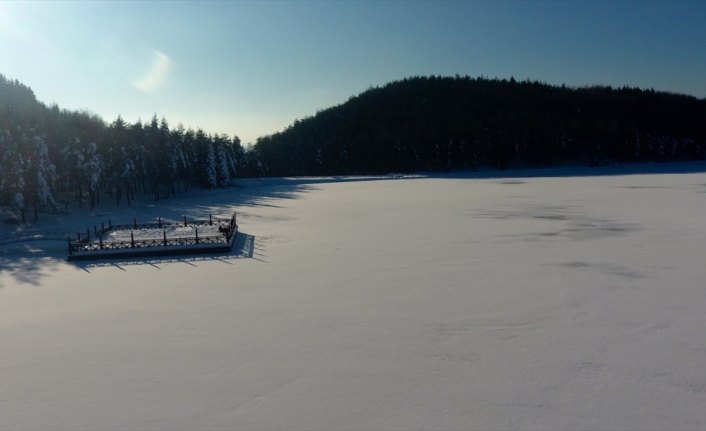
[[524, 302], [173, 231]]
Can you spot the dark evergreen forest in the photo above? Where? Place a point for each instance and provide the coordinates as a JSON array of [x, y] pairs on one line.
[[443, 123], [52, 158]]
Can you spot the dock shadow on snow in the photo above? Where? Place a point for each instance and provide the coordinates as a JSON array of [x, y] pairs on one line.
[[243, 248], [31, 252], [195, 204], [31, 265]]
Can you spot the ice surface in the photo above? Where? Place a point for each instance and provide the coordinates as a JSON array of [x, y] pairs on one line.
[[420, 303]]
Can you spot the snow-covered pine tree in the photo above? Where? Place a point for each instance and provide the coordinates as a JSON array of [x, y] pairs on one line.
[[192, 157], [4, 161], [179, 165], [41, 175], [211, 166], [18, 185], [46, 173], [72, 175], [223, 161], [234, 154], [92, 172], [128, 178], [13, 171], [114, 157], [182, 156]]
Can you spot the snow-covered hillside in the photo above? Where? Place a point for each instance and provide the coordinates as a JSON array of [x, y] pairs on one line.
[[418, 303]]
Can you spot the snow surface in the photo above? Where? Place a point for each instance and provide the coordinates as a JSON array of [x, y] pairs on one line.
[[536, 302], [172, 231]]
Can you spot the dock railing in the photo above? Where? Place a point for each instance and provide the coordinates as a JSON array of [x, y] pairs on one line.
[[88, 246]]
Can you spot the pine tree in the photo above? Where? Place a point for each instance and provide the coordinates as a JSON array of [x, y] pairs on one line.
[[18, 185], [127, 177], [224, 160], [92, 168], [211, 166], [45, 172], [5, 158], [178, 162]]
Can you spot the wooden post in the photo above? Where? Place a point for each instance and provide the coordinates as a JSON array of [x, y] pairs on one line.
[[132, 240], [102, 228], [185, 224], [95, 230], [197, 236], [165, 237], [210, 220], [78, 237], [110, 224], [100, 241]]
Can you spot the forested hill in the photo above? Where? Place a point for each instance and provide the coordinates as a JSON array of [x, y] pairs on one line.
[[51, 159], [439, 123]]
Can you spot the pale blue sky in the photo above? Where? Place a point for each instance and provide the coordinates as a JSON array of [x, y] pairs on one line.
[[252, 68]]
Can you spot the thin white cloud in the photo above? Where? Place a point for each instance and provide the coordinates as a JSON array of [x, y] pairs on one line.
[[156, 75]]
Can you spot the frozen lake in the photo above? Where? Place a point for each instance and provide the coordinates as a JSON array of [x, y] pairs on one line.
[[426, 303]]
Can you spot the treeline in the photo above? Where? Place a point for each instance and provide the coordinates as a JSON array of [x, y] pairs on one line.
[[442, 123], [52, 158]]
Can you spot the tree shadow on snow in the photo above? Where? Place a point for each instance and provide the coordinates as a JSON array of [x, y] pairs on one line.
[[220, 203], [30, 262]]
